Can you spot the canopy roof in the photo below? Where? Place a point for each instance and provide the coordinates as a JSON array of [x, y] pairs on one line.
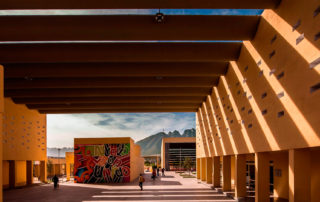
[[119, 63]]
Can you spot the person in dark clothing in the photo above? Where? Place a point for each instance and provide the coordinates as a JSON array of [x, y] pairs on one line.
[[141, 181], [162, 170], [153, 174], [55, 180], [158, 171]]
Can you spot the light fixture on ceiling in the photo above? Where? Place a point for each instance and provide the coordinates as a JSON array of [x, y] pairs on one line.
[[159, 18], [28, 78]]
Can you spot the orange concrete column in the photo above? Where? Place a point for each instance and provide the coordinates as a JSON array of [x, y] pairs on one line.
[[20, 173], [198, 168], [68, 171], [43, 171], [216, 171], [203, 169], [240, 176], [209, 170], [12, 174], [262, 177], [226, 173], [281, 174], [299, 175], [1, 124], [29, 173]]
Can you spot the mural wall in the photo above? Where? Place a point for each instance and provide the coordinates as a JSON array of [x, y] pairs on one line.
[[102, 163]]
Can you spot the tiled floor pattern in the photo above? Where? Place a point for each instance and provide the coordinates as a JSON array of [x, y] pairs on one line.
[[171, 187]]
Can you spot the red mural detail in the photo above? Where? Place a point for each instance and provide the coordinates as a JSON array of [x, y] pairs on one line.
[[97, 165]]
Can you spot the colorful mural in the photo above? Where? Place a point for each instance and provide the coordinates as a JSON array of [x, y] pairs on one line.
[[102, 163]]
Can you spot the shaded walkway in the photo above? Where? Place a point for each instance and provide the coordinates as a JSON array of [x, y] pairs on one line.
[[169, 188]]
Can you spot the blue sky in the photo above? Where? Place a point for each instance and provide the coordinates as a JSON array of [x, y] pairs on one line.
[[135, 12], [63, 128]]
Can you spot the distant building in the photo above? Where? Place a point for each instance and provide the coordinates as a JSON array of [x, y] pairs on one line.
[[69, 164], [56, 166], [153, 159], [106, 160], [174, 150]]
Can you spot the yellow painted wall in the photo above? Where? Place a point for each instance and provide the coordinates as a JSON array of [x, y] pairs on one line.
[[5, 174], [136, 161], [69, 162], [162, 153], [24, 133], [20, 173], [265, 102], [201, 142], [272, 76]]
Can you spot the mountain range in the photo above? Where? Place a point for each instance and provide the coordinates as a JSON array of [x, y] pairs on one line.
[[149, 146], [152, 145]]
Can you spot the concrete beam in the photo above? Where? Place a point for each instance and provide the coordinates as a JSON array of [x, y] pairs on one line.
[[120, 69], [127, 28], [151, 110], [115, 99], [101, 92], [137, 4], [109, 82], [119, 52], [113, 106]]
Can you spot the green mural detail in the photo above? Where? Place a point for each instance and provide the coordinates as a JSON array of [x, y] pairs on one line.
[[126, 149], [89, 150]]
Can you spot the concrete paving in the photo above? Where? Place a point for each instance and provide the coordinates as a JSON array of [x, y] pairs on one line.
[[171, 187]]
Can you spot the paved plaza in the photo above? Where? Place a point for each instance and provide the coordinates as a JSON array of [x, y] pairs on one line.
[[171, 187]]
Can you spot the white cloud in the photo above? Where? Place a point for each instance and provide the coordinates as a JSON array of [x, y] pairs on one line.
[[63, 128]]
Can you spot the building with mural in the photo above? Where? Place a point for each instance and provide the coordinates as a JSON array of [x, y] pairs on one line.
[[106, 160]]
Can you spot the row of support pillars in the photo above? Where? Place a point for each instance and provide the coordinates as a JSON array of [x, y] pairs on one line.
[[299, 169], [21, 173]]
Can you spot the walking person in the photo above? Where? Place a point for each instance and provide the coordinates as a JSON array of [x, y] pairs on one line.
[[162, 170], [158, 171], [154, 173], [55, 180], [141, 181]]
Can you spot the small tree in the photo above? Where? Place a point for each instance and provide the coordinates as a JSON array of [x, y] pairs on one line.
[[188, 164], [147, 163]]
